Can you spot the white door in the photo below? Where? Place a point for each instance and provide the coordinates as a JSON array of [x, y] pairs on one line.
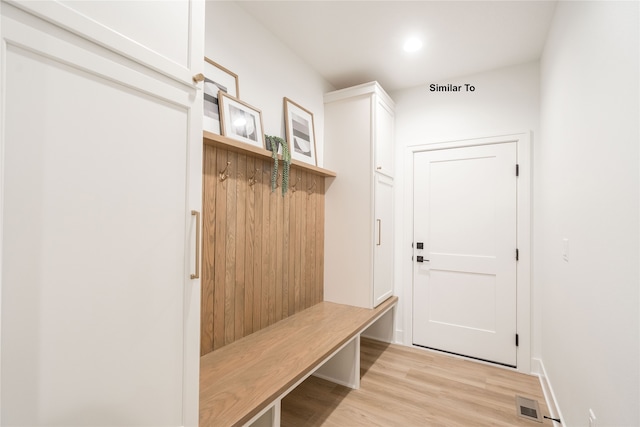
[[97, 169], [465, 274], [384, 146], [383, 245]]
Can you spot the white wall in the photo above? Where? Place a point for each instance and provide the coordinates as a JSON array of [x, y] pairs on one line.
[[588, 192], [505, 101], [267, 70]]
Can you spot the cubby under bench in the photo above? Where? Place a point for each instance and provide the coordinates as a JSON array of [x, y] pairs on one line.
[[243, 383]]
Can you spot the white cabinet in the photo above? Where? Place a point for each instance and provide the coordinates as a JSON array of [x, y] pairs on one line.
[[383, 245], [101, 155], [384, 119], [359, 202]]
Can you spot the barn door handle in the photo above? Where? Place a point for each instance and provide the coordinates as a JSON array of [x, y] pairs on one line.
[[197, 274], [379, 232]]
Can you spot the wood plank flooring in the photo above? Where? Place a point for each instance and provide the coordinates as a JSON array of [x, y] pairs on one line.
[[405, 387]]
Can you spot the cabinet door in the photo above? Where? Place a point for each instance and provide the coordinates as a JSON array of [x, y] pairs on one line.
[[98, 164], [384, 120], [164, 36], [383, 244]]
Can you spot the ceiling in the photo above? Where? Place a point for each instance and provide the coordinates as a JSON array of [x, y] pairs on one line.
[[352, 42]]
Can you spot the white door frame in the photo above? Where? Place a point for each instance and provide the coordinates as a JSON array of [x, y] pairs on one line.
[[523, 236]]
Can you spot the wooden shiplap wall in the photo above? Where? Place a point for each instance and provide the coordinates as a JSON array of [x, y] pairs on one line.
[[262, 253]]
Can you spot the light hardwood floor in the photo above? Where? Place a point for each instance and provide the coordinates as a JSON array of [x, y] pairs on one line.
[[405, 387]]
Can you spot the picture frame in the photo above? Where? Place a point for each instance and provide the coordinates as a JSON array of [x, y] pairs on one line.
[[216, 78], [300, 130], [240, 120]]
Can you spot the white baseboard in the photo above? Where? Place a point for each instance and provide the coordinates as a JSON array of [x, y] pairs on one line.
[[399, 337], [537, 367]]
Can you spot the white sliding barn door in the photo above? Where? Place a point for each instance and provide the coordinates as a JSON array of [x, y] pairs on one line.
[[101, 158]]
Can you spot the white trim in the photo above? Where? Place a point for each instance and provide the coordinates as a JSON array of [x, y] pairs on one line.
[[547, 390], [523, 143], [192, 290], [406, 267], [367, 89], [3, 65], [399, 337], [71, 20], [524, 246]]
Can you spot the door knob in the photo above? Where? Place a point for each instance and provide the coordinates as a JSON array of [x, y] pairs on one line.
[[420, 258]]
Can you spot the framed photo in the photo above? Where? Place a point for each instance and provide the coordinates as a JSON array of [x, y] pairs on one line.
[[301, 135], [240, 120], [216, 79]]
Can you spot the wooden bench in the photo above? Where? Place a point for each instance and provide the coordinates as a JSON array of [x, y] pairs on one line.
[[244, 382]]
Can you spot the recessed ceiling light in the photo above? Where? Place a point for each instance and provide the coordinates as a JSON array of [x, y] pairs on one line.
[[412, 44]]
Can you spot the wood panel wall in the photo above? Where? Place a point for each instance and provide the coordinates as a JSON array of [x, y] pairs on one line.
[[262, 253]]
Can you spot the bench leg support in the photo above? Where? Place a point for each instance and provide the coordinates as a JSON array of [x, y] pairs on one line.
[[270, 417], [344, 367]]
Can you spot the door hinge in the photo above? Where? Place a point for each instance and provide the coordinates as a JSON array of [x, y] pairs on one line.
[[517, 255], [517, 341], [517, 169]]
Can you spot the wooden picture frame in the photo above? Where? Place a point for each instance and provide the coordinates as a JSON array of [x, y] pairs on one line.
[[240, 120], [301, 134], [216, 78]]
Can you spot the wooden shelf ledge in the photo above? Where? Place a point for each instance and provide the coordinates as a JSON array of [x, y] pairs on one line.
[[240, 147]]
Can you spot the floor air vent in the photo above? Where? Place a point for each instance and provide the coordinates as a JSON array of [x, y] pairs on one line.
[[528, 409]]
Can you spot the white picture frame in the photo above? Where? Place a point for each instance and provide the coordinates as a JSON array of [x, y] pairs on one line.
[[240, 121]]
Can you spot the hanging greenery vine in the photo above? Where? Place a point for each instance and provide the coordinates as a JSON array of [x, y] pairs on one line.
[[274, 143]]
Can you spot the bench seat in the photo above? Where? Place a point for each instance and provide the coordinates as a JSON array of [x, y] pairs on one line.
[[241, 380]]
